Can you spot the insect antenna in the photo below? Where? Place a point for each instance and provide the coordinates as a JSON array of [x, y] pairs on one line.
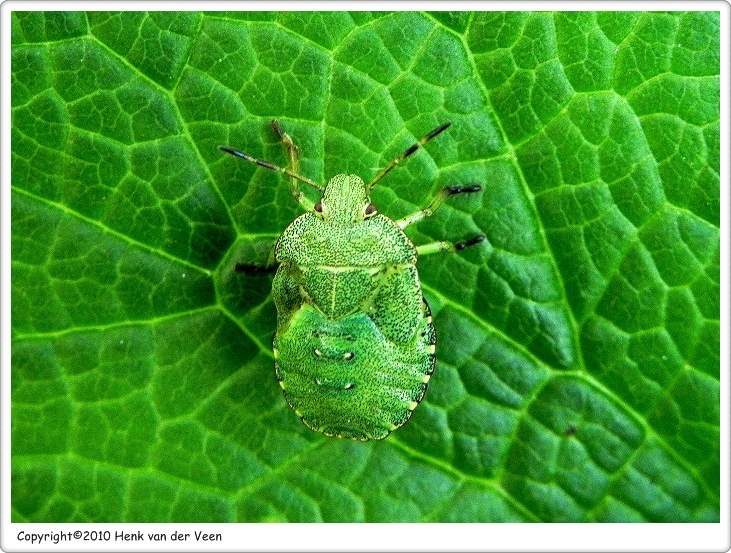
[[410, 150], [272, 166]]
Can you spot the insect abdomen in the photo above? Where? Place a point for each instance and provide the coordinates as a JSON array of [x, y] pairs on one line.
[[344, 378]]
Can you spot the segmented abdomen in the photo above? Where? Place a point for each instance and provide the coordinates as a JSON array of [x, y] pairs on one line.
[[346, 378]]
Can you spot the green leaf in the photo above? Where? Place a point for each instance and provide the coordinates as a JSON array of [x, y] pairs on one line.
[[578, 347]]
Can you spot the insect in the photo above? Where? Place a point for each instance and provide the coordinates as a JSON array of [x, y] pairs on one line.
[[355, 344]]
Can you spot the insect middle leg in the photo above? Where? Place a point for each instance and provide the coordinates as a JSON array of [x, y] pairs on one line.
[[444, 246], [253, 269]]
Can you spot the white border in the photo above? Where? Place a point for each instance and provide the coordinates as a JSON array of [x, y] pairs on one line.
[[381, 537]]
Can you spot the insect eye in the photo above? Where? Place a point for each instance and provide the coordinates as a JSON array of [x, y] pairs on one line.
[[318, 207], [369, 210]]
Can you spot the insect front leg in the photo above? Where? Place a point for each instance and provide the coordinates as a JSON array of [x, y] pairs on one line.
[[292, 150], [438, 200], [292, 172], [293, 153]]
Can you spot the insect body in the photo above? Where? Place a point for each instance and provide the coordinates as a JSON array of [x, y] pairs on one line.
[[355, 345]]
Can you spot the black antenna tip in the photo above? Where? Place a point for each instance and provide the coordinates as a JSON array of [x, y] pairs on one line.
[[464, 189], [236, 153], [438, 130]]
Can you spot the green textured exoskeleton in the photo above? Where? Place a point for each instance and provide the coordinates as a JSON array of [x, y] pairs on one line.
[[355, 344]]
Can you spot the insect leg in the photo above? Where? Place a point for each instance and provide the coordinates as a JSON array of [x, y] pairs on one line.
[[293, 153], [292, 150], [410, 150], [293, 172], [253, 269], [438, 200], [435, 247]]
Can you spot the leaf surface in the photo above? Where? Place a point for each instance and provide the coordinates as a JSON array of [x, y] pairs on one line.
[[578, 346]]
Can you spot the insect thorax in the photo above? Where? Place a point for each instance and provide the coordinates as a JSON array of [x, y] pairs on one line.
[[373, 242]]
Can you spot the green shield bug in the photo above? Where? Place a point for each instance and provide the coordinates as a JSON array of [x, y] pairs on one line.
[[355, 345]]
